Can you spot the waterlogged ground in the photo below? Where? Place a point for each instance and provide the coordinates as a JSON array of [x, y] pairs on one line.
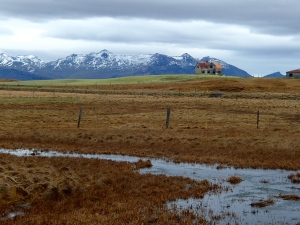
[[232, 204]]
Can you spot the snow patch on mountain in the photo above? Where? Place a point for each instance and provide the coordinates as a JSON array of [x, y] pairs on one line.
[[26, 62]]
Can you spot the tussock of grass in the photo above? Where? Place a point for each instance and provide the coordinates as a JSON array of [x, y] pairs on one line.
[[221, 167], [143, 164], [234, 180], [265, 181], [263, 203], [290, 197]]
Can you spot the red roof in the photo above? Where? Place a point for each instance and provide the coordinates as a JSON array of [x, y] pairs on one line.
[[205, 65], [294, 71], [218, 65]]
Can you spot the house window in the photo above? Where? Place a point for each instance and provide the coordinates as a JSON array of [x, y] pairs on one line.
[[290, 75]]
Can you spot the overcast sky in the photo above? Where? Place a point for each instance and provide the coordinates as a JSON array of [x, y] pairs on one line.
[[259, 36]]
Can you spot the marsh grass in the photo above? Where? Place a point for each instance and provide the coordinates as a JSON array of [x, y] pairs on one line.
[[213, 128], [234, 180], [143, 164], [263, 203], [90, 191], [129, 119], [290, 197]]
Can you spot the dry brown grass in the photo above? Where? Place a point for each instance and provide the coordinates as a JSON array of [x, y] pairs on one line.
[[290, 197], [234, 180], [295, 178], [130, 120], [143, 164], [263, 203], [202, 129], [89, 191], [256, 85]]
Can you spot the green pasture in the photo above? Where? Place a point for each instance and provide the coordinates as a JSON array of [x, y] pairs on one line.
[[111, 81]]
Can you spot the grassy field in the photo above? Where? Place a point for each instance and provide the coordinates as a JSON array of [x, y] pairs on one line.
[[212, 121], [112, 81]]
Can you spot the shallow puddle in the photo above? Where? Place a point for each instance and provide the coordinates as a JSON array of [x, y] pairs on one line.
[[228, 206]]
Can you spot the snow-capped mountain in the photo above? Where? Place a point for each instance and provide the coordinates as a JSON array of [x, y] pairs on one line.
[[227, 68], [99, 60], [105, 64], [28, 63]]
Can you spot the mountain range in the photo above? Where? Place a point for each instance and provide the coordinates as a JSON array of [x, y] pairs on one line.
[[104, 64]]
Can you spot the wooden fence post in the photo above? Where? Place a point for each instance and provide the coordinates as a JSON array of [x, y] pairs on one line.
[[168, 117], [257, 120], [79, 118]]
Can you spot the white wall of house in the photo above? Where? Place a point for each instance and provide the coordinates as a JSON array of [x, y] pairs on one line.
[[292, 75]]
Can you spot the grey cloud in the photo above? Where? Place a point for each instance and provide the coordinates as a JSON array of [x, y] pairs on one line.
[[122, 32], [209, 36], [40, 54], [268, 16]]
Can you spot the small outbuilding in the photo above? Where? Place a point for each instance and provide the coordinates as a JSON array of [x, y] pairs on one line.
[[293, 74], [213, 68]]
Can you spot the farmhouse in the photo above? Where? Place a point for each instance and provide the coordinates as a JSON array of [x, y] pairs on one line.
[[293, 74], [208, 68]]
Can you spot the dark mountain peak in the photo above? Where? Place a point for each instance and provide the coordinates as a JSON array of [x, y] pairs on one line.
[[206, 59], [105, 53], [73, 56], [275, 75], [186, 55], [188, 58], [160, 59], [156, 55], [102, 55]]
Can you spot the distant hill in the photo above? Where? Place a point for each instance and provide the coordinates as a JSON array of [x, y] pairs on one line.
[[275, 75], [105, 64], [19, 75]]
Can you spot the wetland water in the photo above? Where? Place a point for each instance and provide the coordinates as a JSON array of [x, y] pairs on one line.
[[232, 204]]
